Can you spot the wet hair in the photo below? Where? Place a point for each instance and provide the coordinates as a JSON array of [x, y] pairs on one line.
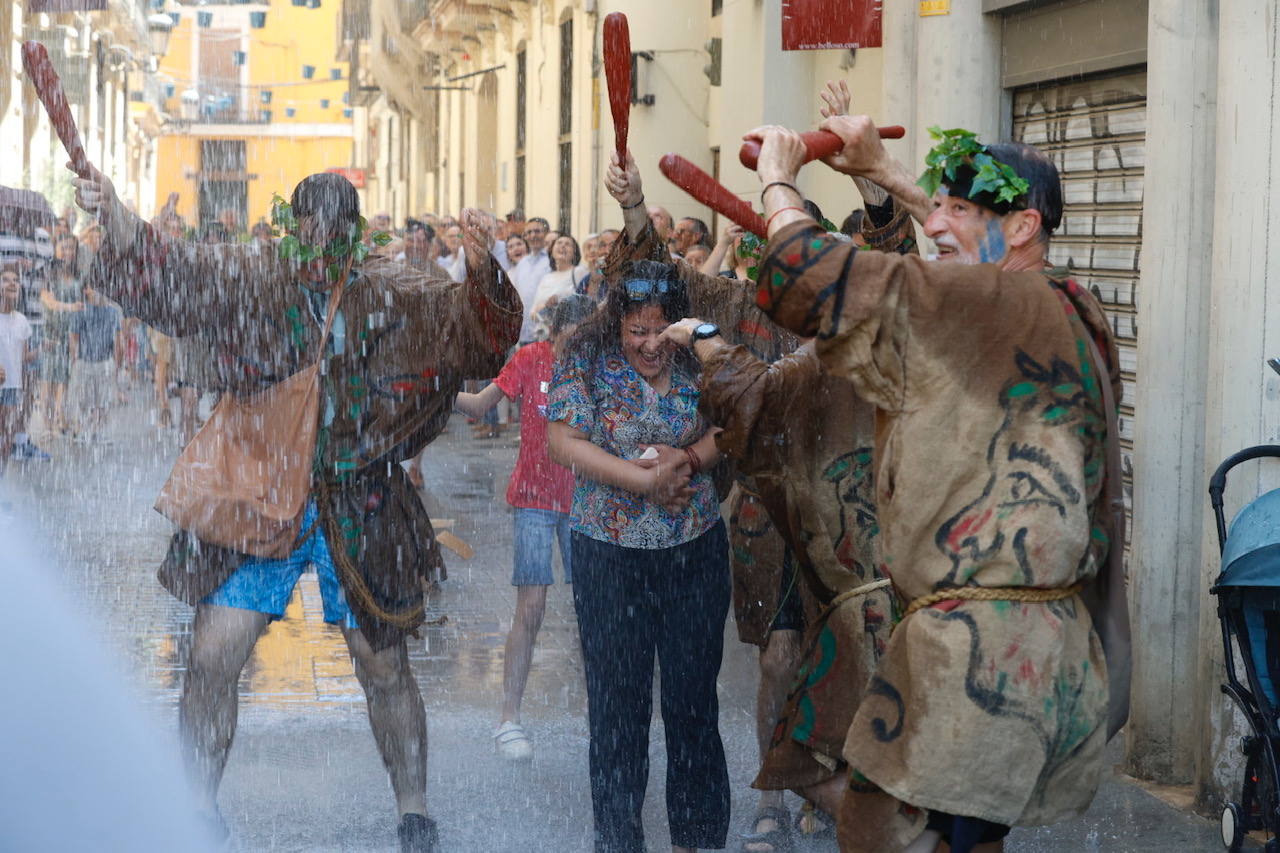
[[1044, 193], [577, 250], [698, 226], [411, 225], [538, 219], [602, 333], [852, 224], [811, 208], [571, 310], [329, 197]]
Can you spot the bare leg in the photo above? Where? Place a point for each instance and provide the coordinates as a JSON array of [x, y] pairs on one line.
[[8, 426], [220, 645], [531, 605], [161, 378], [397, 716], [59, 406], [46, 404], [190, 398], [828, 795], [928, 842], [778, 662]]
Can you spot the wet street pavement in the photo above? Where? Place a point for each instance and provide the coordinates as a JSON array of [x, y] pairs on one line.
[[304, 773]]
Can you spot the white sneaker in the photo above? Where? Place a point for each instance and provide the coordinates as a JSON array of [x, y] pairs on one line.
[[512, 743]]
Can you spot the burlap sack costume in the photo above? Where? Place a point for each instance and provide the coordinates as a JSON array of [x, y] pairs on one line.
[[989, 470], [805, 438], [406, 342]]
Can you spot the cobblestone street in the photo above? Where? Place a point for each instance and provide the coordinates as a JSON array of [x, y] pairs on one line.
[[304, 773]]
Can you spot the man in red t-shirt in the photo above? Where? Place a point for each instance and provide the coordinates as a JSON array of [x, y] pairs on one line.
[[541, 491]]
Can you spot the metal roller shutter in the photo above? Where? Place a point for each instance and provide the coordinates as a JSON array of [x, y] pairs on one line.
[[1094, 129]]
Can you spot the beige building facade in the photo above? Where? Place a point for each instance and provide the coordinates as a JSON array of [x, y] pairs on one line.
[[106, 62], [1157, 113], [504, 104]]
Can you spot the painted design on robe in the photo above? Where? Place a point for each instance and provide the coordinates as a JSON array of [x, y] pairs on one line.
[[851, 477], [1024, 479]]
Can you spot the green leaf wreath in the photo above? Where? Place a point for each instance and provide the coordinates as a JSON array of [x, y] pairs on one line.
[[960, 148], [751, 247], [285, 226]]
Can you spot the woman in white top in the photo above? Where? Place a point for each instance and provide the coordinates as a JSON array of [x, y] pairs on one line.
[[566, 270]]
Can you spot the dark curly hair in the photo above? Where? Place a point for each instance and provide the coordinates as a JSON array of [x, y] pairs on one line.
[[602, 333]]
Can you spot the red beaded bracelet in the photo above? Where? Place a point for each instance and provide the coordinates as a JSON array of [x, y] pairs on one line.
[[769, 223], [695, 464]]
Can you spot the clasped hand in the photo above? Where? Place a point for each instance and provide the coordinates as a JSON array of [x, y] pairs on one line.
[[668, 477]]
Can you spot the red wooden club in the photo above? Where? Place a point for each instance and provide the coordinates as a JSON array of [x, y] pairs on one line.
[[820, 143], [707, 190], [617, 72], [35, 59]]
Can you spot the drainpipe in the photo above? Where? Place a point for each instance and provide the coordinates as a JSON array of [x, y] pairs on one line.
[[596, 62]]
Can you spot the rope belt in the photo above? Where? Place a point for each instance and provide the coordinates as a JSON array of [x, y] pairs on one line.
[[356, 585], [992, 593], [865, 589]]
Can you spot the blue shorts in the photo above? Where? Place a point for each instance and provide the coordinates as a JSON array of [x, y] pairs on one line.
[[266, 585], [11, 397], [536, 531]]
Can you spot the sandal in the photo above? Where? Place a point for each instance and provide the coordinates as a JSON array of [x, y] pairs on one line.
[[815, 824], [512, 743], [779, 839]]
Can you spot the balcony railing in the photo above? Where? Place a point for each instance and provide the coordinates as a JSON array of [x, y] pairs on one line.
[[216, 104]]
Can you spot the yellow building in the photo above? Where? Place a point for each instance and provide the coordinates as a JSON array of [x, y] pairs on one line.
[[256, 103]]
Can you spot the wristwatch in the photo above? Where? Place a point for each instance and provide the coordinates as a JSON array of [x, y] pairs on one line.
[[705, 330]]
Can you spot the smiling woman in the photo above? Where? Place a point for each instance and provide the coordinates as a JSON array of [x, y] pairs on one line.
[[650, 558]]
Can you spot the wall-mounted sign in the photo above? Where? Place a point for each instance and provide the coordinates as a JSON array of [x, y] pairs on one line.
[[929, 8], [54, 7], [827, 24], [355, 176]]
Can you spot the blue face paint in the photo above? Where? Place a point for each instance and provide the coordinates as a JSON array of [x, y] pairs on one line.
[[993, 247]]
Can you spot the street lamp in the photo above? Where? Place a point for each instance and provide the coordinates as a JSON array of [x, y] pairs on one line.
[[159, 28]]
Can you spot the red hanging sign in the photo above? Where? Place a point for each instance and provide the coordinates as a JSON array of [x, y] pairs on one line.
[[830, 24], [355, 176], [55, 7]]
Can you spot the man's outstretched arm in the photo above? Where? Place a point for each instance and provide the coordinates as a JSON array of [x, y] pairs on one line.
[[177, 286]]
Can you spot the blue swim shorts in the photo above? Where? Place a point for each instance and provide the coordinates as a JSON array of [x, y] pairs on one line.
[[266, 585]]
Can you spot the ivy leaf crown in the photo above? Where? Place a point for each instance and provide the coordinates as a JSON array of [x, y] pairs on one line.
[[751, 247], [959, 149], [284, 225]]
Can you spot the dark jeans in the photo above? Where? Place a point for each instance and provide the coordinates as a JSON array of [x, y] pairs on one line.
[[632, 602]]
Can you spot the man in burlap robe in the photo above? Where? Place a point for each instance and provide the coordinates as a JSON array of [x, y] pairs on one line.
[[403, 344], [815, 477], [989, 706]]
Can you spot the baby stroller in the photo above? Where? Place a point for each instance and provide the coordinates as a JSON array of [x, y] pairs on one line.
[[1248, 591]]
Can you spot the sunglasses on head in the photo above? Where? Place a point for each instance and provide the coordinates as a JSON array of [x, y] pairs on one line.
[[641, 289]]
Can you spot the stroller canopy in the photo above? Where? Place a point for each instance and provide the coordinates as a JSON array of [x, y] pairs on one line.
[[1251, 556]]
